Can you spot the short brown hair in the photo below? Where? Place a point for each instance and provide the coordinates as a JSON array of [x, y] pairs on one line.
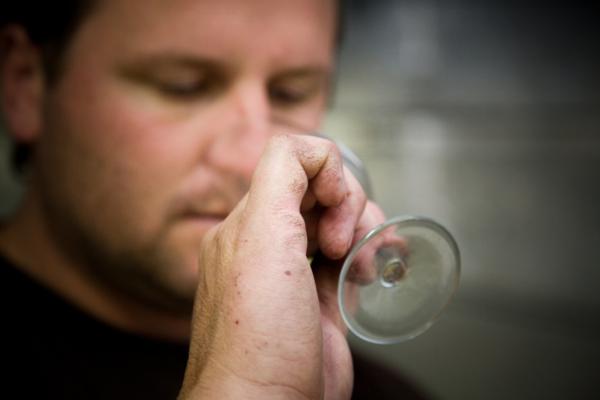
[[50, 26]]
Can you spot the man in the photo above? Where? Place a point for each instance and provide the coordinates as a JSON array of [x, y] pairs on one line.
[[166, 163]]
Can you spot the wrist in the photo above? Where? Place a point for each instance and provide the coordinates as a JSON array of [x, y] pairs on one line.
[[222, 383]]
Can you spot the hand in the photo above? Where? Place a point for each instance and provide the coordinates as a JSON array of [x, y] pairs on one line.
[[264, 325]]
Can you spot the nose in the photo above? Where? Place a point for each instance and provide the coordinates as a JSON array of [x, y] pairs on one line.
[[245, 130]]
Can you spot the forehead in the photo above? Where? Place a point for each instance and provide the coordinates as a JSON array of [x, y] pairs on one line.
[[278, 30]]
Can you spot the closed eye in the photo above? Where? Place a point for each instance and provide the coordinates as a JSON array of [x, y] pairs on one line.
[[178, 79], [297, 87]]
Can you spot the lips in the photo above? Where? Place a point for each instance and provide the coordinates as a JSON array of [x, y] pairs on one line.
[[199, 223], [209, 209], [208, 216], [208, 195]]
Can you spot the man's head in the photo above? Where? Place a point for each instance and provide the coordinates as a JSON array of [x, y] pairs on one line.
[[147, 134]]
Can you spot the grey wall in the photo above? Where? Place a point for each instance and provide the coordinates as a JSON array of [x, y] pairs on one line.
[[486, 116]]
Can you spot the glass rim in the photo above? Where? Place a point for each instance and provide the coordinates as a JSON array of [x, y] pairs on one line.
[[398, 220]]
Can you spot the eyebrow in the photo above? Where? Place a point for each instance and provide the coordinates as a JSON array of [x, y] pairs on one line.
[[176, 59], [198, 62], [304, 72]]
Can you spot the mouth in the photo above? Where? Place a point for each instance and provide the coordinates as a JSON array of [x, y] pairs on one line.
[[201, 212], [205, 217], [199, 223]]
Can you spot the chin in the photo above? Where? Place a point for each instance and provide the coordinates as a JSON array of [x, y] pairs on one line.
[[175, 258], [183, 277]]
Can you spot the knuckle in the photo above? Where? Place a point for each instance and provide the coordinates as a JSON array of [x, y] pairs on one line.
[[294, 239], [292, 219], [331, 176], [294, 233], [355, 186], [298, 185], [283, 141]]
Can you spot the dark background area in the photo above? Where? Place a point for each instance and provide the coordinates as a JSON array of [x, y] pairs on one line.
[[486, 117]]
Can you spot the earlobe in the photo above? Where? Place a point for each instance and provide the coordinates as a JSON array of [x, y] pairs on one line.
[[21, 84]]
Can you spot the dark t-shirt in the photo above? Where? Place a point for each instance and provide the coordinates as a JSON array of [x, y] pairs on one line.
[[53, 350]]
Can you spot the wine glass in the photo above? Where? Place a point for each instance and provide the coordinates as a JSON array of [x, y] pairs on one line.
[[399, 277]]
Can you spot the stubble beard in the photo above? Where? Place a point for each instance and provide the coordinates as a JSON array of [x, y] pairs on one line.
[[139, 273]]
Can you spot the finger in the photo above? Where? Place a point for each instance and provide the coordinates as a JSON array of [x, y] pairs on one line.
[[311, 218], [363, 269], [371, 217], [289, 163], [309, 201], [327, 274], [338, 224], [280, 184]]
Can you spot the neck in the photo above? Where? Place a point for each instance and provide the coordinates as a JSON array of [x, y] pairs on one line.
[[26, 240]]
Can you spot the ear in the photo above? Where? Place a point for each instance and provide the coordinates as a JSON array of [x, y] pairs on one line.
[[21, 84]]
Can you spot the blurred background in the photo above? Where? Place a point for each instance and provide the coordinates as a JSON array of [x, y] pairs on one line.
[[486, 117]]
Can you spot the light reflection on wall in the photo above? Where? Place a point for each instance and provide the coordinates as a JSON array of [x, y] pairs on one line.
[[421, 144]]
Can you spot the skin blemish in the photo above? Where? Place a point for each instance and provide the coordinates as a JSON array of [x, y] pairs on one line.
[[288, 273], [237, 321], [262, 345]]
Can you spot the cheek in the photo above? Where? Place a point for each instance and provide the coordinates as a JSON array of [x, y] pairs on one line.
[[122, 164]]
